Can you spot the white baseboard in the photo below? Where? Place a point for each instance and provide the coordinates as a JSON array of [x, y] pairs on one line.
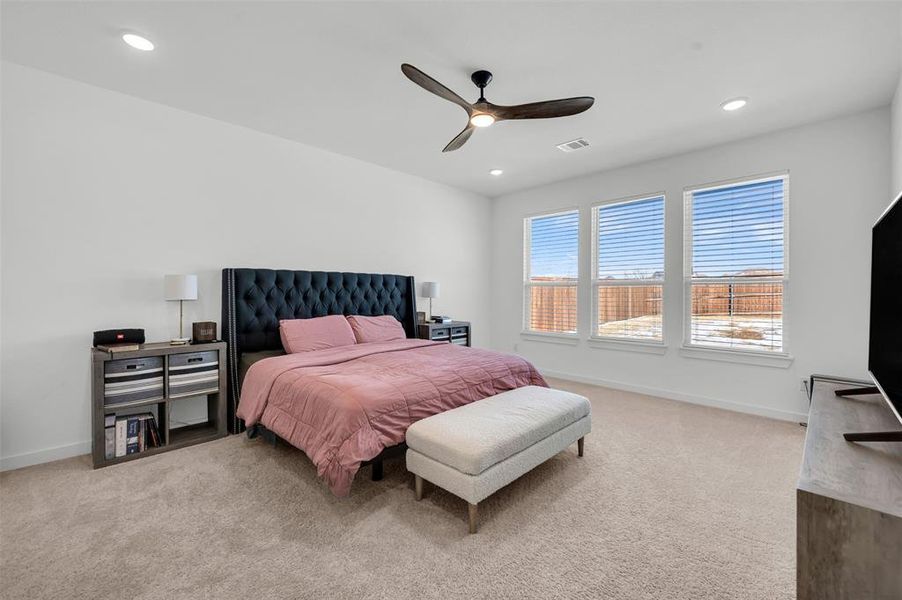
[[174, 424], [26, 459], [761, 411], [37, 457]]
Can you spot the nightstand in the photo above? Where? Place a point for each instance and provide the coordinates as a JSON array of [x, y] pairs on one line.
[[146, 382], [455, 332]]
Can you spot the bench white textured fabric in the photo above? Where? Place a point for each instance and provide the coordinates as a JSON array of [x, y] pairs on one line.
[[474, 450]]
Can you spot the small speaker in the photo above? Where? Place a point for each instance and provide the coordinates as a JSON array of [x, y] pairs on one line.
[[118, 336], [203, 331]]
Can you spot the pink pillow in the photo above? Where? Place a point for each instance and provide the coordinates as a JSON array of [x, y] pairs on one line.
[[318, 333], [376, 329]]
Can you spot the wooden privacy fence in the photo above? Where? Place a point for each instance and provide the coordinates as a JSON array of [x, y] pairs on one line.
[[619, 303], [737, 299], [553, 308]]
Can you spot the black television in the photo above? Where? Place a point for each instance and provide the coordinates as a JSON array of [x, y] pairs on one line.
[[885, 331]]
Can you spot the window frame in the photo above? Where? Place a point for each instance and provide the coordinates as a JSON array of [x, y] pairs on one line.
[[619, 342], [525, 331], [741, 355]]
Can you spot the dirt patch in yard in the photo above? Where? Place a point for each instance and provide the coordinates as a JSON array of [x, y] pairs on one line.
[[742, 333]]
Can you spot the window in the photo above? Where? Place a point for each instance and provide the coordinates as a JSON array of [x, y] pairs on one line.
[[551, 272], [735, 269], [628, 273]]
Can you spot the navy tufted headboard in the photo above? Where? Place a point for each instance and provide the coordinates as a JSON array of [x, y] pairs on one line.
[[254, 300]]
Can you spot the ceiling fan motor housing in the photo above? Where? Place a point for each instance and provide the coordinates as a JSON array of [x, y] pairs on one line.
[[481, 78]]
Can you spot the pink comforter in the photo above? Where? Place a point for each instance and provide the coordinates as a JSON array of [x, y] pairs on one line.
[[344, 405]]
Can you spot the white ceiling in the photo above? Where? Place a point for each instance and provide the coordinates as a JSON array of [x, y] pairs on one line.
[[328, 73]]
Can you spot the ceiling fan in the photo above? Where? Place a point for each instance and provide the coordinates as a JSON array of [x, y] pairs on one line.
[[483, 113]]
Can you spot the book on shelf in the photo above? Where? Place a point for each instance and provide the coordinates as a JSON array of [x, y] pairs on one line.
[[153, 433], [109, 436], [131, 440], [132, 434], [121, 424], [113, 348]]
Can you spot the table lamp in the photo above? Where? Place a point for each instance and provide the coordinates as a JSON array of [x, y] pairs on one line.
[[430, 290], [181, 288]]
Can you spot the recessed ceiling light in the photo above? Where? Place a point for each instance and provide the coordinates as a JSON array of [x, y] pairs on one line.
[[482, 120], [734, 104], [137, 42], [496, 172]]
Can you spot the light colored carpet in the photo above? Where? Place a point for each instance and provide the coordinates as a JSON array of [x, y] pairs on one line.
[[670, 501]]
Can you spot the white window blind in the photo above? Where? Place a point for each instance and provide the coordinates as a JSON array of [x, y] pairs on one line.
[[735, 265], [628, 277], [551, 272]]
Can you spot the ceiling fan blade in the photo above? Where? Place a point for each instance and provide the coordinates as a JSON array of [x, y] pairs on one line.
[[460, 139], [544, 110], [431, 85]]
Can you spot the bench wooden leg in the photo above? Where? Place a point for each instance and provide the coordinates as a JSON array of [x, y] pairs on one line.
[[473, 518], [580, 445], [418, 484]]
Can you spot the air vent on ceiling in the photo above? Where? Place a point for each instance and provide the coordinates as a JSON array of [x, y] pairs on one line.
[[573, 145]]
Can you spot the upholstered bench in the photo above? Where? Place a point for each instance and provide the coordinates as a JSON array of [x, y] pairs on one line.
[[474, 450]]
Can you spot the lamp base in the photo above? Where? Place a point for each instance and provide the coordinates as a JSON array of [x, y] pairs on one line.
[[179, 341]]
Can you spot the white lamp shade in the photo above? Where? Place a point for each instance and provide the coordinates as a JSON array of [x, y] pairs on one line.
[[180, 287], [430, 289]]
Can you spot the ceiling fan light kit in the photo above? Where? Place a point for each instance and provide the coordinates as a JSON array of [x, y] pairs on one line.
[[483, 113]]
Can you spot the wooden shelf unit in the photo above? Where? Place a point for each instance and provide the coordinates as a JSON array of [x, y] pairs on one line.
[[172, 438], [848, 499]]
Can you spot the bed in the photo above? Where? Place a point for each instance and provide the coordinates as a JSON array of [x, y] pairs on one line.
[[350, 406]]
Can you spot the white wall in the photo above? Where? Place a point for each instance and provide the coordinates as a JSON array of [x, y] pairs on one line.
[[896, 150], [838, 186], [102, 194], [897, 139]]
